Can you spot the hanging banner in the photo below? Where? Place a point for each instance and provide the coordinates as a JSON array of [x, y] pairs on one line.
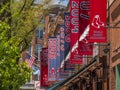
[[97, 21], [74, 21], [74, 33], [58, 57], [67, 65], [67, 32], [62, 43], [85, 48], [44, 68], [52, 50]]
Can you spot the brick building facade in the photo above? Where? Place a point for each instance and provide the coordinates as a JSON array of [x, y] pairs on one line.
[[102, 72], [114, 45]]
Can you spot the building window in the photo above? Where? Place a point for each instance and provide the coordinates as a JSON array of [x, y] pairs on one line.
[[38, 50], [29, 50], [39, 34]]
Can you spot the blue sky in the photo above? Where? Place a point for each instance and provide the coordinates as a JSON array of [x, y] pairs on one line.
[[63, 2]]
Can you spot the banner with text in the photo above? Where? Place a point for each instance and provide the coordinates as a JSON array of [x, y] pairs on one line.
[[97, 21], [67, 32], [68, 65], [58, 57], [62, 43], [74, 32], [85, 48], [52, 55]]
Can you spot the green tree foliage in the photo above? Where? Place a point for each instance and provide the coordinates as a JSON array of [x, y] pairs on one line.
[[18, 20], [25, 17], [12, 74]]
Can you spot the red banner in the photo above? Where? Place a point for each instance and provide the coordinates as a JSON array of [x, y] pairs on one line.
[[44, 67], [74, 35], [85, 48], [97, 21]]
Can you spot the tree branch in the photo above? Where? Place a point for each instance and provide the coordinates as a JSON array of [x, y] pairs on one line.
[[23, 7]]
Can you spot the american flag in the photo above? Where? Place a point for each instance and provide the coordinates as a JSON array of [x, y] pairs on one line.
[[30, 60]]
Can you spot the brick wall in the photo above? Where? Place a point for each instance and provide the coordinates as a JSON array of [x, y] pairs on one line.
[[114, 41]]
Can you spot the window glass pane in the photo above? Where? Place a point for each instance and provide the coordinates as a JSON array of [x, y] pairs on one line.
[[41, 33], [38, 50], [37, 33]]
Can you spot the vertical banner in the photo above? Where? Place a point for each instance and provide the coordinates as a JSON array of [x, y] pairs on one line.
[[85, 48], [67, 32], [97, 21], [63, 74], [62, 43], [58, 57], [74, 35], [68, 65], [44, 68], [52, 41]]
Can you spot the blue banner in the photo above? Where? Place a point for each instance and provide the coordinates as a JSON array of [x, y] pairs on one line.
[[52, 56], [67, 66], [58, 57], [62, 43], [63, 74], [67, 32]]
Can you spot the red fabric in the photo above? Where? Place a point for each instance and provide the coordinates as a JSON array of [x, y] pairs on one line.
[[44, 67], [74, 21], [85, 48], [74, 35], [98, 20]]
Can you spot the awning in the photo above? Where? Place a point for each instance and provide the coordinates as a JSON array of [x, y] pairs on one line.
[[73, 77]]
